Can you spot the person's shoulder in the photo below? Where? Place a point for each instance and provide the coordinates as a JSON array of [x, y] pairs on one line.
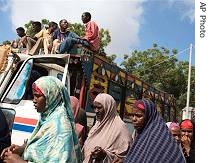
[[56, 31], [43, 29], [41, 32], [93, 22], [70, 32]]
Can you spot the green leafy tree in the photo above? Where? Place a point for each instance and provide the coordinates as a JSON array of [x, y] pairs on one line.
[[111, 59], [181, 100], [7, 42], [105, 39], [29, 28], [164, 71], [77, 28]]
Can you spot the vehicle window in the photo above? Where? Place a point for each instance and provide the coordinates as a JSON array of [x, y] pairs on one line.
[[18, 88], [36, 73], [33, 77], [6, 81], [60, 76]]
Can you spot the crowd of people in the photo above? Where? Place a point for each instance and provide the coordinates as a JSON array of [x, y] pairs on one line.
[[55, 39], [61, 133]]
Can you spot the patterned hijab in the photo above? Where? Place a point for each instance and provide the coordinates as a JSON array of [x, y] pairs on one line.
[[54, 139], [110, 134], [154, 143], [171, 125]]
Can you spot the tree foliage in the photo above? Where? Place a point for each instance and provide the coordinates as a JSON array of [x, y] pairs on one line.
[[6, 42], [111, 59], [29, 29], [105, 39], [164, 71]]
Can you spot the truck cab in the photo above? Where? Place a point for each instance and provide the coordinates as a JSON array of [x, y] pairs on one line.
[[17, 79]]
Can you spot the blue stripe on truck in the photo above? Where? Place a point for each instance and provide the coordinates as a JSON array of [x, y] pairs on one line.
[[23, 128]]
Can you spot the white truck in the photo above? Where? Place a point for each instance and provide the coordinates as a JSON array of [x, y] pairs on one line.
[[17, 78], [85, 75]]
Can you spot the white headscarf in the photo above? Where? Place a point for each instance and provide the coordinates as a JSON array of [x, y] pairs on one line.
[[110, 134]]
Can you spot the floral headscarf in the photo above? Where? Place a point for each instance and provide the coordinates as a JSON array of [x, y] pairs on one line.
[[54, 139]]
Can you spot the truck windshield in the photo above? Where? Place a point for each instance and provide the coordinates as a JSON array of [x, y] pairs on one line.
[[18, 87]]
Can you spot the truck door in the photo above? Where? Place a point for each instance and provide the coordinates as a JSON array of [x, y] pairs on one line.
[[14, 97]]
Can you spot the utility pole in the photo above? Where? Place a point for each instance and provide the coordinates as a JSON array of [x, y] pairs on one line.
[[188, 110]]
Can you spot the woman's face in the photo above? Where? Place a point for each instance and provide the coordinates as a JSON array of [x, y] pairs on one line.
[[175, 131], [99, 110], [39, 101], [138, 118], [187, 132]]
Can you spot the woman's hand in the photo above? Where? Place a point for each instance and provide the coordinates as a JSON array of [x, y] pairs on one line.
[[98, 153], [9, 157], [186, 142], [15, 149]]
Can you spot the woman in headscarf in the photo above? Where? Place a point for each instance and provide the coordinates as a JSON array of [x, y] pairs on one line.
[[153, 142], [188, 139], [80, 119], [175, 131], [54, 139], [109, 138]]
